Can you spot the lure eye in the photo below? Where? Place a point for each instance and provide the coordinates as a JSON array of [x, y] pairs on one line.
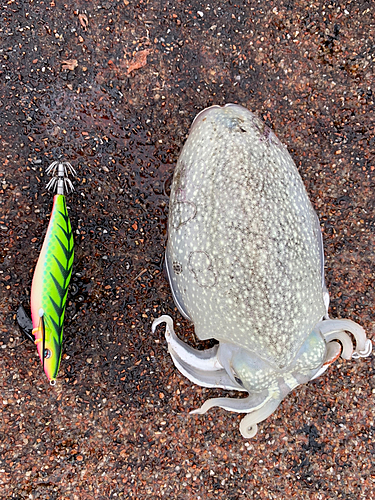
[[47, 353]]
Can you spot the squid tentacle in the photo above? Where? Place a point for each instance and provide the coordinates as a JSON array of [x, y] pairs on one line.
[[335, 329], [245, 405], [248, 425], [204, 368], [204, 360], [200, 367], [257, 406]]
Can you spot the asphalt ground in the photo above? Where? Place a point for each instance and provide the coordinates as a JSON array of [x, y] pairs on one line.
[[112, 87]]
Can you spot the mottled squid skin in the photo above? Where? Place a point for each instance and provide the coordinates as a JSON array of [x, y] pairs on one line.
[[50, 287], [245, 263]]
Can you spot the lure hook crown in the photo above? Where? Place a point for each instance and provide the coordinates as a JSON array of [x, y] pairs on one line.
[[60, 181]]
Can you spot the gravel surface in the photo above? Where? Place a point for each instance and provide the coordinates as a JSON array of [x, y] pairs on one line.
[[113, 86]]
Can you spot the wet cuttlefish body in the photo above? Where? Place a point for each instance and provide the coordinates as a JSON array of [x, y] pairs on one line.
[[52, 275], [246, 266]]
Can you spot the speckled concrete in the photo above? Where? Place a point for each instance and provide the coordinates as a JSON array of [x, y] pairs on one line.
[[113, 86]]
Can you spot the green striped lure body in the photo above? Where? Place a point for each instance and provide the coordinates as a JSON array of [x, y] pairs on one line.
[[52, 275]]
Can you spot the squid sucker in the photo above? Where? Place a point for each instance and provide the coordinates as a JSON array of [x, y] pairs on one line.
[[52, 275], [245, 264]]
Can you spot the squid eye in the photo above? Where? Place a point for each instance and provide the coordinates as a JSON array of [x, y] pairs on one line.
[[47, 353], [238, 380]]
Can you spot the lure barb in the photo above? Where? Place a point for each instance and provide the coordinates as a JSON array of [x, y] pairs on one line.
[[52, 274]]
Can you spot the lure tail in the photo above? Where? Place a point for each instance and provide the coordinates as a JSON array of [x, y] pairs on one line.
[[52, 274]]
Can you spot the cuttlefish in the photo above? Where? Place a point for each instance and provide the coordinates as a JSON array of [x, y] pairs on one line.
[[245, 264]]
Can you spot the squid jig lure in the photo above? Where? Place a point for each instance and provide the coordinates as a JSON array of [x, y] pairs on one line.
[[52, 274]]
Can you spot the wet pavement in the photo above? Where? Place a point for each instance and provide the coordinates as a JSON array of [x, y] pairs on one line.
[[112, 87]]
